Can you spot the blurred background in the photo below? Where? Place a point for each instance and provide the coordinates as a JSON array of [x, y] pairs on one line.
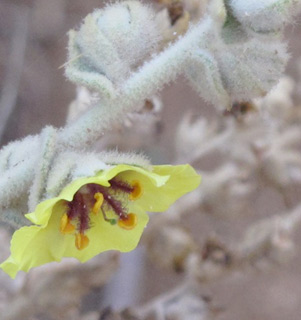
[[35, 93]]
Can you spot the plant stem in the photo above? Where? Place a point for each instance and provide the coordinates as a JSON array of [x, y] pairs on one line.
[[151, 77]]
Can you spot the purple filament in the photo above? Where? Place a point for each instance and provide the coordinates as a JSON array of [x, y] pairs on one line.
[[115, 204], [121, 185], [78, 208]]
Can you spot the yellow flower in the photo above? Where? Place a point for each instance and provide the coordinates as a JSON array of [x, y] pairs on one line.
[[96, 214]]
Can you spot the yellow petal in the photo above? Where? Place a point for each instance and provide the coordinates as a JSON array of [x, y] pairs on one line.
[[158, 196]]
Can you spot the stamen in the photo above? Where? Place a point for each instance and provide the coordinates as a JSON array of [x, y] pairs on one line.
[[66, 227], [115, 204], [137, 190], [99, 201], [129, 222], [81, 241], [121, 185], [96, 198], [71, 212], [80, 206]]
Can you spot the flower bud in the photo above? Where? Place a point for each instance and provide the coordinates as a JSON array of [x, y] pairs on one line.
[[263, 16], [110, 43]]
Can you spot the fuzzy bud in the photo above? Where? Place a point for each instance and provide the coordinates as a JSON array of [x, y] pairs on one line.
[[264, 16], [110, 43]]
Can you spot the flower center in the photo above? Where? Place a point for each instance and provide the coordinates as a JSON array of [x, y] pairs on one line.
[[94, 199]]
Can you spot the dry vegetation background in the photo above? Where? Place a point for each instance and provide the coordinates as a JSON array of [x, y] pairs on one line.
[[42, 96]]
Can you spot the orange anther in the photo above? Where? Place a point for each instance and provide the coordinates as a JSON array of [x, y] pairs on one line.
[[137, 190], [98, 203], [81, 241], [66, 227], [129, 222]]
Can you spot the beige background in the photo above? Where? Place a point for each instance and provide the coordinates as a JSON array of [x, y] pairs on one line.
[[43, 97]]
